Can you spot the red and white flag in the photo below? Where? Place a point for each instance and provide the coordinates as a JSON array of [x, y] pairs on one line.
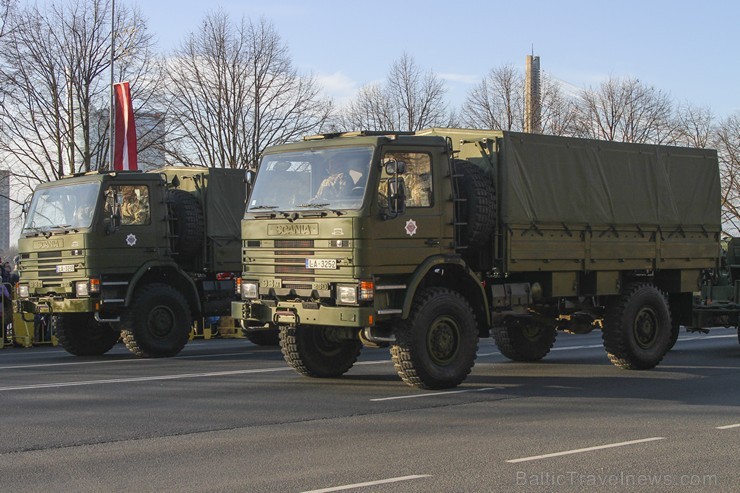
[[124, 152]]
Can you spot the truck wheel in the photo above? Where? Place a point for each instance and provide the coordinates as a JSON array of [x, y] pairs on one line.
[[315, 352], [675, 331], [524, 340], [80, 334], [436, 348], [264, 337], [637, 328], [157, 325], [479, 207], [188, 226]]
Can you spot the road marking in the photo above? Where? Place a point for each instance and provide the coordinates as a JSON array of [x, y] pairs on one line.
[[416, 396], [370, 483], [727, 427], [43, 365], [573, 348], [705, 337], [143, 379], [129, 359], [582, 450]]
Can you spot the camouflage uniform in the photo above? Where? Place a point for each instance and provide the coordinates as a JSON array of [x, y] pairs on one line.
[[134, 210], [335, 186]]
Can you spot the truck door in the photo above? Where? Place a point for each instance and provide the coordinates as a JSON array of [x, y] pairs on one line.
[[416, 233], [133, 234]]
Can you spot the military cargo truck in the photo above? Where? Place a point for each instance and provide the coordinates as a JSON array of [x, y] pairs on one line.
[[427, 241], [132, 255]]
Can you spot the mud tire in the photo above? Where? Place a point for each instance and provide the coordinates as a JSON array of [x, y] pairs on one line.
[[264, 337], [80, 334], [158, 323], [437, 346], [188, 225], [313, 352], [637, 328], [479, 207], [524, 339]]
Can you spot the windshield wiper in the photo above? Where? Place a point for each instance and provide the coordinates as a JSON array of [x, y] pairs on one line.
[[39, 231], [320, 206], [257, 207]]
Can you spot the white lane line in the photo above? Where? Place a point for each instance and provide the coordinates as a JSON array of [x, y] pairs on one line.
[[75, 363], [143, 379], [133, 360], [705, 337], [416, 396], [370, 483], [727, 427], [582, 450], [379, 362]]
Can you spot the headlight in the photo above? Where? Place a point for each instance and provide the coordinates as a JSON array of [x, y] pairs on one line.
[[250, 290], [82, 289], [347, 295], [23, 291]]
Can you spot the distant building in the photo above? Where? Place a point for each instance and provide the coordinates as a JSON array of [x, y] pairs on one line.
[[150, 132], [4, 210]]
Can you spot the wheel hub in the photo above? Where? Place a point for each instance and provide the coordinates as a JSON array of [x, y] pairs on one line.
[[645, 328], [161, 321], [443, 341]]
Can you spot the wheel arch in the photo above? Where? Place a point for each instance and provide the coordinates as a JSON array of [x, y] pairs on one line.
[[170, 274], [453, 273]]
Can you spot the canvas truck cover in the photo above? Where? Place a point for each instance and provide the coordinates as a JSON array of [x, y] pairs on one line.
[[224, 210], [547, 179]]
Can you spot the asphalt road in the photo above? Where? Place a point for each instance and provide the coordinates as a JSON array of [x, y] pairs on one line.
[[226, 415]]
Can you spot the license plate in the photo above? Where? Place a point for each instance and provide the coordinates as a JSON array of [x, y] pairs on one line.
[[66, 268], [321, 263]]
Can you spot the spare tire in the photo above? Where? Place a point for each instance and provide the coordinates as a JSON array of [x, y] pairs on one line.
[[477, 212], [187, 222]]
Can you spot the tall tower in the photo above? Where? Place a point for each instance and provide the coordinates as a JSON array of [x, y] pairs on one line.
[[532, 96], [4, 210]]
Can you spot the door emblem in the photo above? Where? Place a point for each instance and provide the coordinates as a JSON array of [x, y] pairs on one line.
[[131, 240], [411, 227]]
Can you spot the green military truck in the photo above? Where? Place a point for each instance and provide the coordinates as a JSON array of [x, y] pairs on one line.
[[443, 236], [134, 255]]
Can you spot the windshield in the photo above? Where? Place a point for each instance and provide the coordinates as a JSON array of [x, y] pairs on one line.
[[312, 179], [66, 206]]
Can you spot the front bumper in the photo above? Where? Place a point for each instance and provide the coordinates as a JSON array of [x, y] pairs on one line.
[[56, 305], [302, 313]]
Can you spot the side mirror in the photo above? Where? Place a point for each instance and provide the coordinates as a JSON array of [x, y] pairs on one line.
[[250, 175], [396, 193], [114, 223], [394, 167]]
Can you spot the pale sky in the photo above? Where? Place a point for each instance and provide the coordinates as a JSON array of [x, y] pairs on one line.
[[686, 49]]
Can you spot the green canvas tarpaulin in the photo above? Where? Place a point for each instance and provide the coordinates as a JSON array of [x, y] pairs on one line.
[[546, 179]]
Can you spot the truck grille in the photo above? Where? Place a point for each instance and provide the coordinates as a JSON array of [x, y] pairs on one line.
[[294, 243], [42, 265]]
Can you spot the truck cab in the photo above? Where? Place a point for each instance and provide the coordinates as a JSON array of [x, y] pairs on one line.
[[132, 255]]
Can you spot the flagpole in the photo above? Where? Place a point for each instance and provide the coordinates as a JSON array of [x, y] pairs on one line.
[[112, 103]]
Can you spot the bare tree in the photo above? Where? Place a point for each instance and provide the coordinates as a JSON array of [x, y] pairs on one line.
[[728, 149], [497, 102], [409, 100], [626, 110], [694, 126], [559, 111], [55, 67], [233, 91]]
